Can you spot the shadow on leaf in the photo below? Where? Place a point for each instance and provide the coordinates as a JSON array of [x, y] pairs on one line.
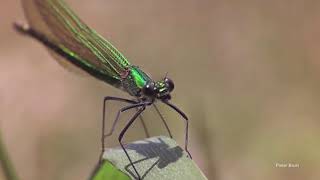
[[160, 150]]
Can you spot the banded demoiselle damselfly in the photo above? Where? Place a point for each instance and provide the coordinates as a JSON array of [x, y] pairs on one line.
[[72, 42]]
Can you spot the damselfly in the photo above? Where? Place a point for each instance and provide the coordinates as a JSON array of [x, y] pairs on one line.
[[72, 42]]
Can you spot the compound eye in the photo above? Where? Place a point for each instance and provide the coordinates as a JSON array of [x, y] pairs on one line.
[[169, 83], [149, 89]]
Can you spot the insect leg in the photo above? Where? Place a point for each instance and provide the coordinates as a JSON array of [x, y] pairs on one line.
[[118, 115], [146, 132], [109, 98], [187, 124], [163, 120], [124, 130]]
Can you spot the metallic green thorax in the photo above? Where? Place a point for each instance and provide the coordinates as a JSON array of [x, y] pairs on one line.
[[135, 81], [60, 26], [139, 77]]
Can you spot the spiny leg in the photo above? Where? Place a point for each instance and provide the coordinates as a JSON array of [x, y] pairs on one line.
[[116, 120], [118, 117], [124, 130], [187, 125], [144, 126], [163, 120], [143, 123], [109, 98]]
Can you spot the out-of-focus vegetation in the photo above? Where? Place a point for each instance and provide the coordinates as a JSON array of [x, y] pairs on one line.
[[246, 72]]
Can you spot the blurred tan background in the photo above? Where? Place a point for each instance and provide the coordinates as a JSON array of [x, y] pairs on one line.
[[246, 72]]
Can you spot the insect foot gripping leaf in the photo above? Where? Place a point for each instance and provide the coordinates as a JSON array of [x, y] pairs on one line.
[[155, 158]]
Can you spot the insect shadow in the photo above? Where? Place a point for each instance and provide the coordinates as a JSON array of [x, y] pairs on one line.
[[151, 149]]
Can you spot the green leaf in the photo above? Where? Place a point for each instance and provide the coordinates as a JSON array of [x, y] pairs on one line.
[[106, 171]]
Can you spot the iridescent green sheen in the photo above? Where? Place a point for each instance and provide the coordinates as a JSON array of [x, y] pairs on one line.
[[102, 50], [61, 26], [139, 77]]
